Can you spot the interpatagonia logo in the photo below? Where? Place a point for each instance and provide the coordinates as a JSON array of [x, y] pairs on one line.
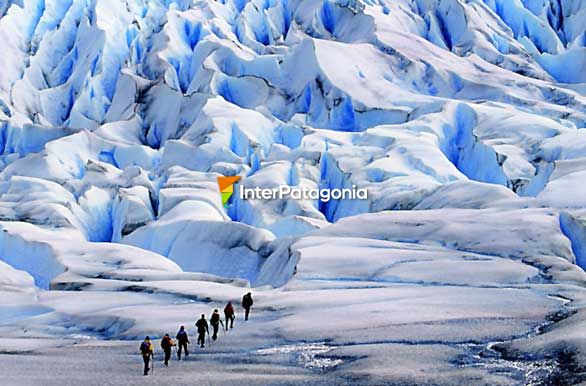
[[280, 192], [303, 193], [226, 185]]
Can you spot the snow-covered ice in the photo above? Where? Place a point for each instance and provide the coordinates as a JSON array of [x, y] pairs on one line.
[[464, 120]]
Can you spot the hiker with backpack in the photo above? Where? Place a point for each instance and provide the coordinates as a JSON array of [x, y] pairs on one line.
[[167, 345], [182, 341], [215, 321], [247, 302], [147, 352], [229, 315], [202, 329]]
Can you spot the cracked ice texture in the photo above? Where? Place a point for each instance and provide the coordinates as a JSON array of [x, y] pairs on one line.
[[117, 117]]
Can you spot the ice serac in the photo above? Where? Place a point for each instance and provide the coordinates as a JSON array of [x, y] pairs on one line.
[[227, 249], [426, 104], [464, 120], [40, 261], [574, 227]]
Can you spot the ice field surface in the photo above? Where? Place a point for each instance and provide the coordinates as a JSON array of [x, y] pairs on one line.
[[464, 119]]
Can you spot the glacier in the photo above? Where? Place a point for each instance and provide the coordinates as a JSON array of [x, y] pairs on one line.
[[464, 119]]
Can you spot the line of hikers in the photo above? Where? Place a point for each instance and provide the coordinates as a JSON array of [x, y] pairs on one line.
[[146, 347]]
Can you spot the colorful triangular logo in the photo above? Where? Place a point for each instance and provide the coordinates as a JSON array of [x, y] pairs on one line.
[[226, 185]]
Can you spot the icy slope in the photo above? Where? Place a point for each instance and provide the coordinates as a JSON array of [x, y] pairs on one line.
[[464, 119]]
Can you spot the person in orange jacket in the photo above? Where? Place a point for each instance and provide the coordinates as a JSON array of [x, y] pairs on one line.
[[167, 345]]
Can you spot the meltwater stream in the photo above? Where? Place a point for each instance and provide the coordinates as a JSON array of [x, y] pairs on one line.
[[527, 372], [309, 355]]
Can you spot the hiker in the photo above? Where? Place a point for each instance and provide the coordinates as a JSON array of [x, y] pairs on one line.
[[183, 341], [215, 321], [229, 315], [247, 302], [202, 329], [147, 352], [167, 345]]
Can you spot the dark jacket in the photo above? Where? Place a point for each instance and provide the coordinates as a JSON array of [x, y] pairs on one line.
[[247, 301], [202, 326], [167, 343], [182, 337], [215, 319], [229, 310]]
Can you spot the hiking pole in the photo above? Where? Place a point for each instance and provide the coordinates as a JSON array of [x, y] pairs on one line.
[[153, 364]]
